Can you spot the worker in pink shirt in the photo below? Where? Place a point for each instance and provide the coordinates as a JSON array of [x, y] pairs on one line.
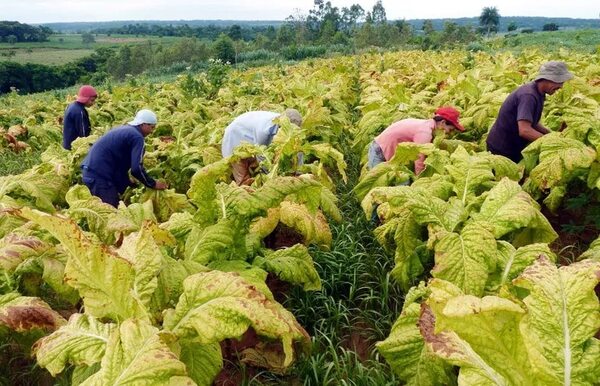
[[413, 130]]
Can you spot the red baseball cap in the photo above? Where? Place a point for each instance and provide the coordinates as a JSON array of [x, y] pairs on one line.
[[451, 115], [86, 93]]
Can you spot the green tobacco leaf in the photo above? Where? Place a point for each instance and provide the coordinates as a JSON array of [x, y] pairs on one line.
[[224, 240], [202, 192], [54, 272], [143, 251], [312, 226], [476, 368], [512, 262], [328, 155], [560, 160], [384, 174], [555, 198], [465, 258], [329, 205], [218, 305], [259, 229], [593, 251], [104, 280], [203, 361], [14, 249], [82, 341], [272, 193], [24, 313], [396, 195], [9, 221], [440, 186], [470, 174], [90, 210], [170, 281], [264, 226], [508, 208], [408, 152], [39, 187], [166, 202], [137, 353], [81, 373], [130, 218], [294, 265], [405, 235], [180, 224], [503, 167], [433, 211], [563, 316], [405, 350], [252, 274]]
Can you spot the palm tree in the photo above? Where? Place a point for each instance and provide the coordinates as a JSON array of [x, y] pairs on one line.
[[489, 18]]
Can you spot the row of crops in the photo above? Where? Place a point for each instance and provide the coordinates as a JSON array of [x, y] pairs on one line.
[[176, 284]]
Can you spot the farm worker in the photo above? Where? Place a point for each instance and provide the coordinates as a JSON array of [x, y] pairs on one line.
[[106, 166], [518, 122], [255, 127], [413, 130], [76, 122]]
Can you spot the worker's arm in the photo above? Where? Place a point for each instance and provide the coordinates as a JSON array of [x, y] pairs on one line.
[[527, 132]]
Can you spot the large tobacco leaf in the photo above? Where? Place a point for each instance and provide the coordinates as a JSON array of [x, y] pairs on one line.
[[82, 341], [218, 305]]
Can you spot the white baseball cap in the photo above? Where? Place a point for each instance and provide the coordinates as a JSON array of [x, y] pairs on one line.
[[144, 116]]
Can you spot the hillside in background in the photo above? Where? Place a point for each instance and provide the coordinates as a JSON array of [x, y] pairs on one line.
[[77, 27], [522, 22]]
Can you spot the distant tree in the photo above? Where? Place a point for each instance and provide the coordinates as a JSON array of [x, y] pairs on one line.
[[297, 28], [489, 19], [351, 17], [512, 26], [11, 39], [224, 48], [87, 38], [428, 27], [235, 32], [405, 29], [550, 27], [285, 35], [378, 15], [262, 41], [23, 32]]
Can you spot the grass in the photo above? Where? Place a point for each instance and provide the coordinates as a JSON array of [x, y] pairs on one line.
[[47, 56], [16, 163], [65, 48], [578, 40]]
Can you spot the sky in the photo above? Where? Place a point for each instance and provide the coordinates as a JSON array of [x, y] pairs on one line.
[[45, 11]]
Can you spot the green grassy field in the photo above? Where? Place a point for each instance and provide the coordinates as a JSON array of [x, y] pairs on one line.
[[65, 48], [48, 56], [579, 40]]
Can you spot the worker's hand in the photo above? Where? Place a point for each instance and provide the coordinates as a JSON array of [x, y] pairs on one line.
[[160, 185]]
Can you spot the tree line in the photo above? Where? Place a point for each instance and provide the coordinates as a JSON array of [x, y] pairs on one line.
[[15, 32], [322, 30]]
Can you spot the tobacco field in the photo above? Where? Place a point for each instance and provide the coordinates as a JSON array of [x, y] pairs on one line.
[[480, 272]]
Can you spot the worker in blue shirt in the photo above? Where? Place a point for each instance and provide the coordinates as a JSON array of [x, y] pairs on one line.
[[106, 166], [76, 122]]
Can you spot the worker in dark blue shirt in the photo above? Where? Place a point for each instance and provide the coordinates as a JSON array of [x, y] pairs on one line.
[[106, 167], [76, 122]]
